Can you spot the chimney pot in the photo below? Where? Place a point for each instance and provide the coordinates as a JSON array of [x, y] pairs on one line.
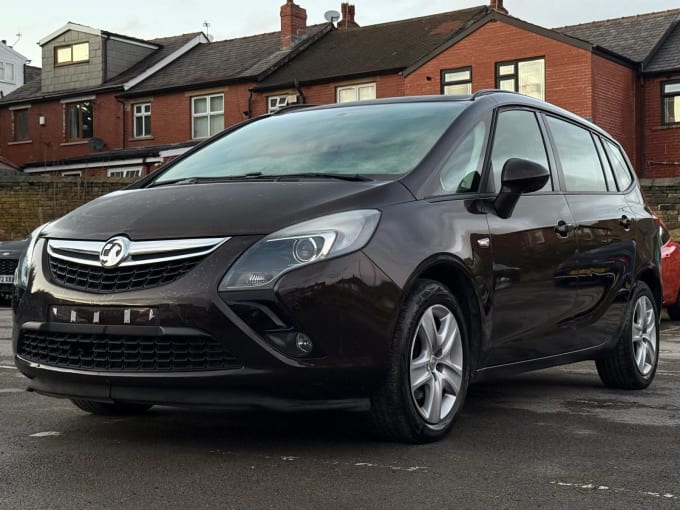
[[293, 23], [348, 12], [497, 5]]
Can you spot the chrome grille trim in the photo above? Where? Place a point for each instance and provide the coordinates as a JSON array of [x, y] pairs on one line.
[[141, 252]]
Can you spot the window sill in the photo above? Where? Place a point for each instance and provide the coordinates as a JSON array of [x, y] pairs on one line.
[[78, 142], [666, 126], [20, 142], [140, 138]]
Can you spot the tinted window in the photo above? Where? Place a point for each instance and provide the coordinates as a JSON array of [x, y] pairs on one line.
[[518, 135], [619, 165], [580, 163], [462, 171], [388, 139], [608, 172]]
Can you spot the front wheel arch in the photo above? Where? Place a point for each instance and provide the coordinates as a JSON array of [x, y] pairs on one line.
[[456, 276]]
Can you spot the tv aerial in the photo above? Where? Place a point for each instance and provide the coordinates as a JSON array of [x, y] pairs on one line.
[[332, 16]]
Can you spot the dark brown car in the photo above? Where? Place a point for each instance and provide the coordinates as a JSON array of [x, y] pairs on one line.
[[390, 251]]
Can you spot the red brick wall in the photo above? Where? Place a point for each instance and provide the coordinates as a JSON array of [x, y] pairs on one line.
[[171, 113], [48, 142], [662, 153], [615, 104], [385, 86], [567, 68]]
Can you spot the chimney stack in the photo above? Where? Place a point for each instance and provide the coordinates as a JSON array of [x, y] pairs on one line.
[[293, 24], [497, 5], [347, 20]]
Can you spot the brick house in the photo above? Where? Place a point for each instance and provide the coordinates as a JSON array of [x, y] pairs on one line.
[[617, 73], [623, 74], [90, 112]]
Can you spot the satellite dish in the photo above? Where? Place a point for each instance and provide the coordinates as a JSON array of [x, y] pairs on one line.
[[332, 16], [96, 144]]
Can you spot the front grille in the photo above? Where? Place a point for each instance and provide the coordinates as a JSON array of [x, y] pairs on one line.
[[124, 353], [8, 266], [98, 279]]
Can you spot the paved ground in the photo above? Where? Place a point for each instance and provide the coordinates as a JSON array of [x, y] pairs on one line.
[[549, 439]]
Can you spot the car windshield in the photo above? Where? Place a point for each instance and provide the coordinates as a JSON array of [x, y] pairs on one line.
[[385, 140]]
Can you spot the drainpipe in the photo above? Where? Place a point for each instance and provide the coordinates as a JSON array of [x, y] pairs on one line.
[[299, 90], [249, 113]]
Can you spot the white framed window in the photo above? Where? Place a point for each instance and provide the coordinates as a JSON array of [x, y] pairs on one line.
[[72, 54], [72, 173], [124, 172], [457, 81], [275, 103], [142, 119], [524, 76], [359, 92], [7, 72], [207, 115]]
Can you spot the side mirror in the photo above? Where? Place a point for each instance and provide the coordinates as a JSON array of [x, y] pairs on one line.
[[519, 176]]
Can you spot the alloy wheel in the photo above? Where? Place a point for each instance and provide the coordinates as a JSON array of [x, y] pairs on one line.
[[436, 364], [644, 335]]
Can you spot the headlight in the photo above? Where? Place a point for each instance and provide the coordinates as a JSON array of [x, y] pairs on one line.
[[299, 245], [26, 259]]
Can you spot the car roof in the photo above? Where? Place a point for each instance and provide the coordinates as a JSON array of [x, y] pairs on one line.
[[485, 99]]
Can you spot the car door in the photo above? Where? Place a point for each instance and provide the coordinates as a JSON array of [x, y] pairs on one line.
[[534, 289], [605, 230]]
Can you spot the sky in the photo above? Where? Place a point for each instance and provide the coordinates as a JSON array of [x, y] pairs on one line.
[[148, 19]]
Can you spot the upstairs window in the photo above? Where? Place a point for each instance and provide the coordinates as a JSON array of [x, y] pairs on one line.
[[7, 72], [360, 92], [72, 54], [671, 102], [524, 76], [79, 120], [142, 116], [207, 114], [457, 81], [20, 125]]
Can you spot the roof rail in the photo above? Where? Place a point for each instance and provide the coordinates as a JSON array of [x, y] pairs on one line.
[[488, 92]]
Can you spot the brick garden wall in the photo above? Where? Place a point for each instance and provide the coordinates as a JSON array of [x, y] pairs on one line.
[[28, 201], [663, 195]]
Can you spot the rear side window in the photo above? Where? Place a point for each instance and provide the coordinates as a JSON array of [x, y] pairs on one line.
[[518, 135], [619, 165], [580, 162]]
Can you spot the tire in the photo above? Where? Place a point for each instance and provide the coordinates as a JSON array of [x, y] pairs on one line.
[[424, 410], [674, 309], [111, 409], [632, 363]]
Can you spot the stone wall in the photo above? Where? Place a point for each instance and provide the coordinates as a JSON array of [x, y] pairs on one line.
[[29, 201], [663, 196]]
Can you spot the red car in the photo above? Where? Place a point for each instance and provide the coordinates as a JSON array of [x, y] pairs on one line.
[[670, 272]]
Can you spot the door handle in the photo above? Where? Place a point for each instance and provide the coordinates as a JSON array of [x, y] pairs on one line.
[[563, 228], [625, 222]]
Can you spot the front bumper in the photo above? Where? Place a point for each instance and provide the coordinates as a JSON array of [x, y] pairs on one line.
[[346, 306]]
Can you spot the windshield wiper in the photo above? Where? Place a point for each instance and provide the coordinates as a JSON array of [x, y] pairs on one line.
[[197, 180], [316, 175], [259, 175]]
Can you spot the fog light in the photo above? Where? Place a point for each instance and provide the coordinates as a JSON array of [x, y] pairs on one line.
[[303, 343]]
